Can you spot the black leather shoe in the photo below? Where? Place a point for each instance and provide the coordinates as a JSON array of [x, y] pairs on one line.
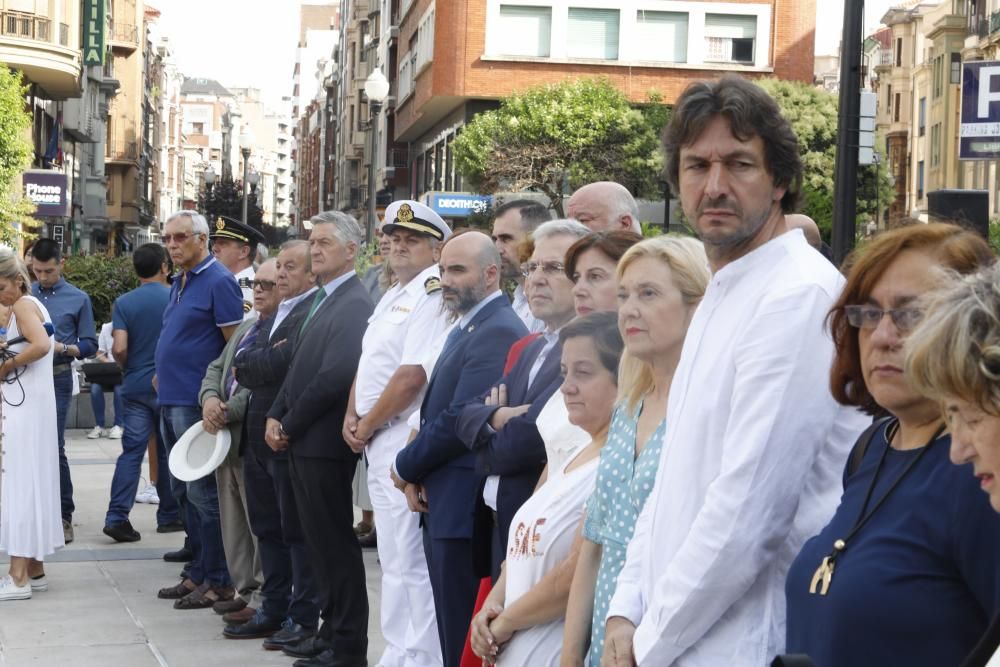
[[330, 658], [172, 527], [289, 635], [307, 648], [369, 540], [256, 628], [182, 555], [122, 532]]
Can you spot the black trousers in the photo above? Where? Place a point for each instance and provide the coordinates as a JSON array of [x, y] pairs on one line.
[[323, 494], [455, 584], [289, 588]]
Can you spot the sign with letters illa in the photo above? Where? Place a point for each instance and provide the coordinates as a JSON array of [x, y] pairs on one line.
[[93, 32], [979, 134]]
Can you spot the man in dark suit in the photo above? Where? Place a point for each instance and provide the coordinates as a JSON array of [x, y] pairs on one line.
[[289, 589], [307, 418], [436, 469], [501, 428]]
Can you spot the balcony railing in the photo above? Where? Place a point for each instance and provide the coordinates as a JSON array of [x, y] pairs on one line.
[[979, 26], [119, 149], [994, 22], [25, 26], [885, 57], [397, 157], [124, 32]]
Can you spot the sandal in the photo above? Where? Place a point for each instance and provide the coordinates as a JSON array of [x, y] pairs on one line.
[[186, 587], [205, 596]]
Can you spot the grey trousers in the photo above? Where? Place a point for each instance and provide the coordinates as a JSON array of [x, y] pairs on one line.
[[242, 557]]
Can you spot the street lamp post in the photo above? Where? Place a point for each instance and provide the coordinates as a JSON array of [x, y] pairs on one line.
[[377, 89], [246, 142], [209, 176]]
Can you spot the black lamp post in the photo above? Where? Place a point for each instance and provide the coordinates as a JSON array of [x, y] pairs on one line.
[[246, 143]]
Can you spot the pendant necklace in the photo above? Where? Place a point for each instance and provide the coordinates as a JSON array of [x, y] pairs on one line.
[[824, 573]]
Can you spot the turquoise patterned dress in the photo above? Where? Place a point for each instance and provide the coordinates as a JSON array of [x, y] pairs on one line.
[[623, 484]]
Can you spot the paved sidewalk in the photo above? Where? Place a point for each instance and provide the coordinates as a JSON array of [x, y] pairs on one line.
[[101, 607]]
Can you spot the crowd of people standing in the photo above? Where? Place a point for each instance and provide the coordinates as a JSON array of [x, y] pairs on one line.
[[581, 447]]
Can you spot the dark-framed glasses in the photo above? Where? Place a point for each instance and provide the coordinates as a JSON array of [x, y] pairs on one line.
[[548, 268], [264, 285], [869, 317]]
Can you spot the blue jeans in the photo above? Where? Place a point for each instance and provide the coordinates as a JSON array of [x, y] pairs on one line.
[[97, 403], [199, 501], [140, 416], [63, 383]]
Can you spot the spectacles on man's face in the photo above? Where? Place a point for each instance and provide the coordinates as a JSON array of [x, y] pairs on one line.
[[548, 268], [869, 317], [264, 285], [178, 238]]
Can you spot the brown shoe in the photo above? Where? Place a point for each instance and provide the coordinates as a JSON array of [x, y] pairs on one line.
[[226, 606], [186, 587], [239, 617], [204, 597]]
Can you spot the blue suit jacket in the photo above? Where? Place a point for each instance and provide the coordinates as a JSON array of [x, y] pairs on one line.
[[516, 452], [437, 458]]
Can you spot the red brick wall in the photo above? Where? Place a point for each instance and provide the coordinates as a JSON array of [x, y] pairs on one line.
[[460, 36]]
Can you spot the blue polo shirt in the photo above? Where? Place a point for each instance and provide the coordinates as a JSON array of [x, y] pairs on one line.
[[140, 314], [72, 318], [191, 339]]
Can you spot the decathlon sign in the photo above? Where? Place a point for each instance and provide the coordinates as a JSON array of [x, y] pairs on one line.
[[979, 135], [47, 190], [458, 205]]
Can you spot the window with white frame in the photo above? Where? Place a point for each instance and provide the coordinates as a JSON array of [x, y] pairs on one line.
[[525, 30], [730, 38], [593, 33], [662, 36], [425, 40]]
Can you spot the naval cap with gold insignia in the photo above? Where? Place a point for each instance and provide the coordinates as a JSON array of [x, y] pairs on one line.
[[228, 228], [410, 214]]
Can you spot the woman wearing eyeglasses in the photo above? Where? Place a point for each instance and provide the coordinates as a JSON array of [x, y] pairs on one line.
[[906, 571]]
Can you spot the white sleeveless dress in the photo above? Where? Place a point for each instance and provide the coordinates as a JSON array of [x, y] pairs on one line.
[[30, 515], [541, 535]]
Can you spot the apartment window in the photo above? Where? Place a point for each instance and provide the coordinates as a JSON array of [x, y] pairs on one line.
[[197, 128], [663, 36], [920, 180], [525, 31], [899, 52], [922, 117], [593, 33], [895, 111], [936, 144], [956, 68], [888, 100], [425, 41], [729, 38], [938, 76]]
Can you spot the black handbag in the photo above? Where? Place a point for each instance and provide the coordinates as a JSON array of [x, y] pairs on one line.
[[106, 374]]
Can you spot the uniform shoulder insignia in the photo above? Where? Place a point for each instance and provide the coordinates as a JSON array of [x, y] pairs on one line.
[[246, 282], [247, 306], [432, 285]]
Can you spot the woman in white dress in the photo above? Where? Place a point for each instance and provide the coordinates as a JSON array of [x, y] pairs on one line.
[[30, 519], [521, 622]]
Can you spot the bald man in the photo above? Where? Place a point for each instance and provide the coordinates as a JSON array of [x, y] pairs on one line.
[[605, 206], [808, 227], [436, 470]]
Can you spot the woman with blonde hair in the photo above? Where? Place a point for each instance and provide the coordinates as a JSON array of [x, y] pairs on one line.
[[953, 356], [30, 517], [660, 283]]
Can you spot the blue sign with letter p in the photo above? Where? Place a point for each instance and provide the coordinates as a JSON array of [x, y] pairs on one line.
[[979, 134]]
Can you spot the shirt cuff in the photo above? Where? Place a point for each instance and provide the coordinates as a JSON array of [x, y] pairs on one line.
[[627, 604]]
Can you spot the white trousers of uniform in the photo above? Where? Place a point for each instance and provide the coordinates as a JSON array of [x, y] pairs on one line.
[[409, 625]]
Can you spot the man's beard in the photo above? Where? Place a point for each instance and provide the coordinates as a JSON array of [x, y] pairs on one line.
[[509, 271], [462, 300], [749, 226]]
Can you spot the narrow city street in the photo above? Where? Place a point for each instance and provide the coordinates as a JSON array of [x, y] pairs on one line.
[[101, 608]]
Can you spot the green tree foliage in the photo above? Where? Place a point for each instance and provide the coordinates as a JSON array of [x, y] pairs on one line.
[[15, 154], [813, 115], [569, 133], [103, 278]]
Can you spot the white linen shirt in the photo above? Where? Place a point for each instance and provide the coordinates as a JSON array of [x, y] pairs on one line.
[[286, 306], [405, 321], [751, 465]]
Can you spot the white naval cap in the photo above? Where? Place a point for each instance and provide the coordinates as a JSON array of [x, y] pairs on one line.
[[410, 214]]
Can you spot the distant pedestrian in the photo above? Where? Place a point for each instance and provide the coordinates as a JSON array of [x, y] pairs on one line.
[[104, 343]]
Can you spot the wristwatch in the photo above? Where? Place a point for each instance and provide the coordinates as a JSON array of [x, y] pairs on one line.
[[281, 430], [65, 349]]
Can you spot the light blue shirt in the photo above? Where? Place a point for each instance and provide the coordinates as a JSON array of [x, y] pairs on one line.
[[332, 286]]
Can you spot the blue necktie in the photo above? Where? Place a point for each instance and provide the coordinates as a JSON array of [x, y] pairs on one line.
[[451, 340]]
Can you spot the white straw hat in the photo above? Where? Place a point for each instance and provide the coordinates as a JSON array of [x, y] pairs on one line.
[[198, 453]]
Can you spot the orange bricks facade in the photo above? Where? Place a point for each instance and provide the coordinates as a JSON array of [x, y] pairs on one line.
[[460, 71]]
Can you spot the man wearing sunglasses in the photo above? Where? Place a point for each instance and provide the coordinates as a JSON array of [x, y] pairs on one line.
[[224, 405], [203, 311]]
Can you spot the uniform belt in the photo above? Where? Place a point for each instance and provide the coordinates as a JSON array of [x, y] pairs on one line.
[[59, 369]]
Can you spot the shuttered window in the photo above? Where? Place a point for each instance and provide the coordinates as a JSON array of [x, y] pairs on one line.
[[662, 36], [525, 31], [593, 33], [730, 38]]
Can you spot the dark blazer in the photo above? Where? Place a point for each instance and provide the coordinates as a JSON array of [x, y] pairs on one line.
[[262, 369], [437, 458], [312, 401], [516, 452]]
